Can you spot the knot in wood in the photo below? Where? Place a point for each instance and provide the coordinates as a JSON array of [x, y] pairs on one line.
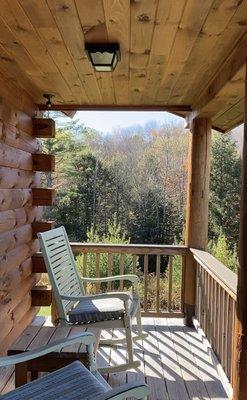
[[143, 18]]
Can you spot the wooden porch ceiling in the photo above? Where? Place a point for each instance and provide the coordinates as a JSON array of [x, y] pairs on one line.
[[184, 53]]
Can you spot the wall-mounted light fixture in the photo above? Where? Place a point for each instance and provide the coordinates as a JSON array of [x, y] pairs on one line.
[[48, 98], [103, 56]]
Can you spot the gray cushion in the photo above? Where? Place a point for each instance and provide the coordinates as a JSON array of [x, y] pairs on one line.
[[88, 310], [73, 382]]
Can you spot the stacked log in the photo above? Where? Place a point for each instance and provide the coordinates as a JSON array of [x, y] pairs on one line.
[[21, 201]]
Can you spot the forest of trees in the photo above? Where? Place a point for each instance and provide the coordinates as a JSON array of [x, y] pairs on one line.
[[137, 177]]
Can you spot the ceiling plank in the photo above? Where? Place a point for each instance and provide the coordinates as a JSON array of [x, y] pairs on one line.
[[44, 24], [9, 66], [16, 96], [209, 101], [117, 19], [67, 20], [142, 22], [227, 96], [167, 20], [25, 34], [232, 117], [194, 15], [224, 47], [94, 27], [27, 65], [210, 49]]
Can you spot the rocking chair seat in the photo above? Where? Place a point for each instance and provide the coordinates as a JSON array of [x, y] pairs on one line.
[[73, 382], [96, 310]]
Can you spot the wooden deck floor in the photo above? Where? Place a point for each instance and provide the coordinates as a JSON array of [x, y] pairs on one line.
[[176, 362]]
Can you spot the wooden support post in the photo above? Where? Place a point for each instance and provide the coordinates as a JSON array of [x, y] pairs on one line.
[[43, 162], [240, 334], [197, 206], [43, 128]]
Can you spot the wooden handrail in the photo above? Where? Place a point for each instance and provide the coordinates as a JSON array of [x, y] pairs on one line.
[[223, 275], [215, 305], [172, 250]]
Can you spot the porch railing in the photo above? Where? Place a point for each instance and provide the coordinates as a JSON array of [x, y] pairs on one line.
[[162, 285], [215, 306], [160, 269]]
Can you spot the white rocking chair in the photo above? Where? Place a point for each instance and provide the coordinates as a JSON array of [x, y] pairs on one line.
[[104, 310]]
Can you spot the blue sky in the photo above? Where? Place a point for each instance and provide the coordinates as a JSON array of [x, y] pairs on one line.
[[105, 121]]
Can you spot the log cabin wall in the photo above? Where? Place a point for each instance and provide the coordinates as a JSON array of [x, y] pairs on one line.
[[21, 203]]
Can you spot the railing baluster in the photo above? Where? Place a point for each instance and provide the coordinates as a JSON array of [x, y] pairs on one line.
[[220, 316], [145, 282], [182, 283], [209, 308], [226, 339], [109, 271], [158, 283], [206, 313], [170, 279], [134, 262], [203, 300], [121, 270], [232, 339], [215, 317], [199, 295], [97, 270], [84, 270]]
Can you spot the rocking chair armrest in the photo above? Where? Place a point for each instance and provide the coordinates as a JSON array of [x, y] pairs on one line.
[[110, 295], [137, 390], [86, 338], [131, 278]]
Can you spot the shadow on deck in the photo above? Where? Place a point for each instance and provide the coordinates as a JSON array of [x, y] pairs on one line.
[[176, 362]]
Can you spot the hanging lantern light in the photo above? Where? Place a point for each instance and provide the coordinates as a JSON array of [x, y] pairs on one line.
[[103, 56]]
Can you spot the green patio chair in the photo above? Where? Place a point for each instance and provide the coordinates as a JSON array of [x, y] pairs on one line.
[[105, 310], [73, 382]]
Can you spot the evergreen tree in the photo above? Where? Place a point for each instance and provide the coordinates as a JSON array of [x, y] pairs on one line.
[[220, 250], [224, 189], [85, 200]]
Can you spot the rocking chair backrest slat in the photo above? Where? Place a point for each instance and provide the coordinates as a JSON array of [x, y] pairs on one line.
[[61, 267]]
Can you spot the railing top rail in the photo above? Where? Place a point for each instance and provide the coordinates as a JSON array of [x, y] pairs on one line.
[[78, 248], [219, 271]]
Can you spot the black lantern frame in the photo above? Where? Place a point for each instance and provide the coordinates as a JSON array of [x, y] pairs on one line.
[[103, 56]]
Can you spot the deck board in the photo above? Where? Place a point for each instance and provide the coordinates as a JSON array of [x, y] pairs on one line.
[[176, 362]]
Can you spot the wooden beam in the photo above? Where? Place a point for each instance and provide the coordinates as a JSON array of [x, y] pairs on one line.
[[197, 206], [41, 296], [116, 107], [227, 71], [41, 226], [38, 264], [240, 334], [43, 197], [43, 162], [43, 128]]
